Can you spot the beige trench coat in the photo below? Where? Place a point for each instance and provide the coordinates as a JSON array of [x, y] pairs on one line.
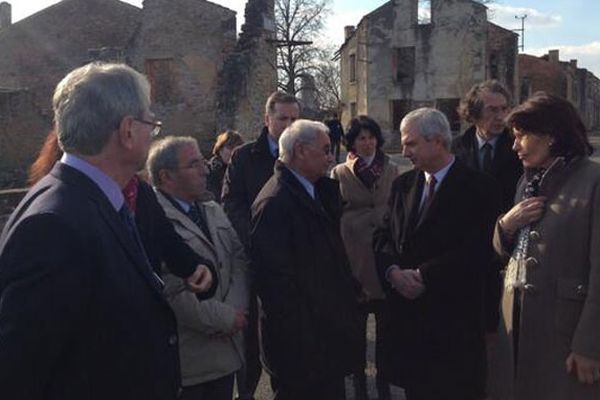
[[560, 310], [203, 356], [363, 212]]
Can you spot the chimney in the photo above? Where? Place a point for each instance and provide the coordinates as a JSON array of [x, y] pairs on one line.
[[348, 31], [553, 56], [5, 15], [573, 63]]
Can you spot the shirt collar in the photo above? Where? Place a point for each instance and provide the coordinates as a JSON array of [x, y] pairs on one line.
[[185, 206], [273, 146], [308, 186], [107, 185], [481, 141], [441, 174]]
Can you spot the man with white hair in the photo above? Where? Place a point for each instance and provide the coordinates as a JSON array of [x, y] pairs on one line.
[[82, 313], [310, 327], [429, 256]]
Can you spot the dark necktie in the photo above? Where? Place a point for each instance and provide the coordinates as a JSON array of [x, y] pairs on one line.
[[429, 198], [196, 216], [129, 222], [486, 164]]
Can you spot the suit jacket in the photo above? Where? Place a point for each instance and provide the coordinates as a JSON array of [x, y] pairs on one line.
[[506, 166], [506, 170], [162, 244], [81, 316], [205, 357], [437, 340], [310, 324], [250, 168]]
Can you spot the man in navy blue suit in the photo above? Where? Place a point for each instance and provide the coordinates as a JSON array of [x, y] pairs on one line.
[[82, 315]]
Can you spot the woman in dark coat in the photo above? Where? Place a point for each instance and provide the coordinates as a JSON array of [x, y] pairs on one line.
[[226, 143], [551, 239]]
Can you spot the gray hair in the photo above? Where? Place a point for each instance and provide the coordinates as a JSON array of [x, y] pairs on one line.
[[300, 131], [428, 123], [164, 155], [91, 101]]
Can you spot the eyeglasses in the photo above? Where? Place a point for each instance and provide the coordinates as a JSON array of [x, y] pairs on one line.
[[156, 124], [195, 164]]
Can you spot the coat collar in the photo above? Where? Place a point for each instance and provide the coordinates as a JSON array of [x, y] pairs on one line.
[[78, 181], [261, 145], [324, 189], [443, 196], [174, 213]]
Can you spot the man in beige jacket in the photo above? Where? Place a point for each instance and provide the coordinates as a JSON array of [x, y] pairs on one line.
[[210, 346]]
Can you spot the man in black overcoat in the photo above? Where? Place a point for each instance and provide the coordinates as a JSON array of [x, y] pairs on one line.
[[487, 146], [250, 168], [429, 256], [310, 328]]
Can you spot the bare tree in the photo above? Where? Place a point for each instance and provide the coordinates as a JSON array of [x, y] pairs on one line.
[[298, 23], [327, 80]]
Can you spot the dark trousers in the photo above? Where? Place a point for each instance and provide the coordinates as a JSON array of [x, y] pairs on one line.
[[249, 375], [335, 150], [330, 390], [219, 389]]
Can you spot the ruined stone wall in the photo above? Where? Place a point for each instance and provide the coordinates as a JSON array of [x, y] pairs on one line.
[[249, 75], [414, 65], [540, 74], [22, 132], [354, 92], [38, 51], [502, 57], [181, 46]]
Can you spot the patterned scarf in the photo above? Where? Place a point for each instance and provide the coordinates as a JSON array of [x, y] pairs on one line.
[[516, 274], [368, 173]]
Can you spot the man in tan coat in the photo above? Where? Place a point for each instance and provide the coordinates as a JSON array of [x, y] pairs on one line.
[[211, 348]]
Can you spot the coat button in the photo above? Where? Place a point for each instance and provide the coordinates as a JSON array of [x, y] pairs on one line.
[[173, 340], [580, 289], [529, 288], [531, 262], [534, 235]]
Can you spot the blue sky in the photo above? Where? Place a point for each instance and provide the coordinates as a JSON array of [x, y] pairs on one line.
[[573, 26]]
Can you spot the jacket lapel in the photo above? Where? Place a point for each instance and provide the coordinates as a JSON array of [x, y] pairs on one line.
[[174, 214], [113, 220], [412, 203]]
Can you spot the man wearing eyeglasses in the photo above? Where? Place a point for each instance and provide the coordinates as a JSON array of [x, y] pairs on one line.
[[82, 313], [310, 324], [211, 348]]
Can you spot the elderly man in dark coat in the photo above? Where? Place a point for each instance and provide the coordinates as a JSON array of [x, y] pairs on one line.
[[310, 329]]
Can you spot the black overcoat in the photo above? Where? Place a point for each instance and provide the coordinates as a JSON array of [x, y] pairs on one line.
[[437, 341], [310, 327]]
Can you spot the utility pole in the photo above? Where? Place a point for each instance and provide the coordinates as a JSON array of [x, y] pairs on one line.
[[522, 30]]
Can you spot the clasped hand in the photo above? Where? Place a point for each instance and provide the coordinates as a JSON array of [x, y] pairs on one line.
[[407, 282]]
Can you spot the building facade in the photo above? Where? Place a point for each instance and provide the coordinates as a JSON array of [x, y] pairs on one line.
[[578, 85], [401, 57], [183, 46]]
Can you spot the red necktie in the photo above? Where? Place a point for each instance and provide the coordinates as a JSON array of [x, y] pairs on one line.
[[130, 192]]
